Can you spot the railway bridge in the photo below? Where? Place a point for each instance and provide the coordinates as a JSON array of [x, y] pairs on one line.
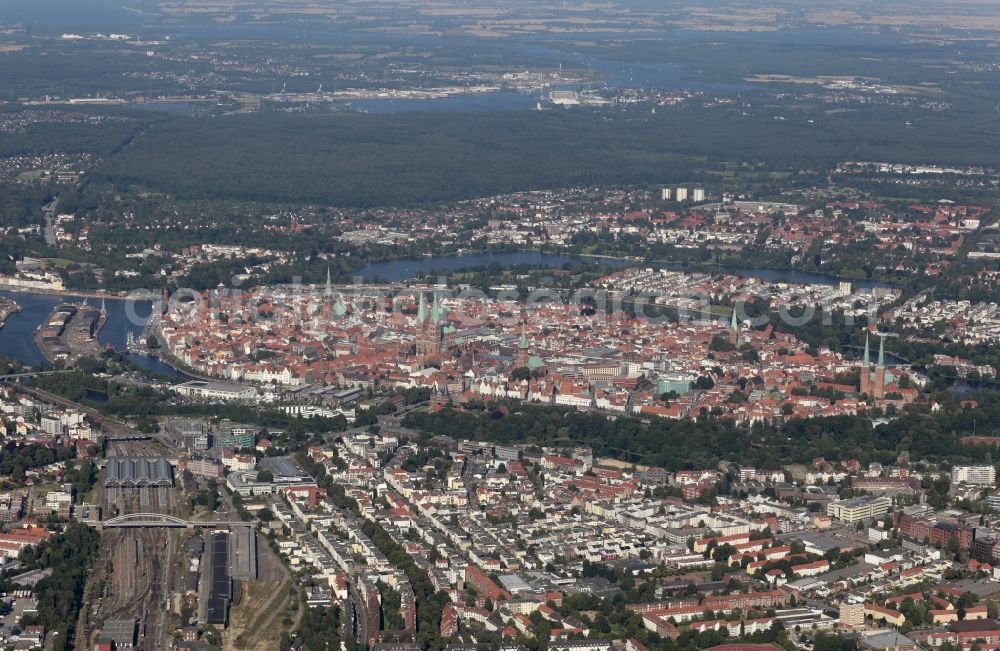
[[160, 520]]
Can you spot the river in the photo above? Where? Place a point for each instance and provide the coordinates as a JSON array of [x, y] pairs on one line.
[[17, 335], [501, 100]]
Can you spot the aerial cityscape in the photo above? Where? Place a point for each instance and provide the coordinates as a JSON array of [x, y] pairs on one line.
[[524, 325]]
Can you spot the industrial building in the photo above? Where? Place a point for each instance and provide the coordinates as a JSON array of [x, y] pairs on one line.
[[243, 553], [221, 584], [121, 633], [564, 97]]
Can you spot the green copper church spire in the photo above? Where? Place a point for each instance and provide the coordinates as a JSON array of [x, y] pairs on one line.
[[436, 310], [881, 352], [421, 310], [866, 360]]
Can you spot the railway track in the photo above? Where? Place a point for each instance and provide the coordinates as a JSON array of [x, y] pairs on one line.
[[137, 587], [92, 601]]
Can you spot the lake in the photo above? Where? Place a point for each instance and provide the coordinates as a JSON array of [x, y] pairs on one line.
[[799, 277], [400, 270]]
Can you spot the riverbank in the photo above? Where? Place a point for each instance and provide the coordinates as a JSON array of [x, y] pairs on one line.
[[8, 307], [65, 293], [402, 269], [123, 317], [164, 356]]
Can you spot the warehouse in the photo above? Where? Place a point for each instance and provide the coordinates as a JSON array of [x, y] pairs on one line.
[[221, 585]]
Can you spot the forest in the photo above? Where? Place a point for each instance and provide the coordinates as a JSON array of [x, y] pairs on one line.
[[423, 158], [48, 137]]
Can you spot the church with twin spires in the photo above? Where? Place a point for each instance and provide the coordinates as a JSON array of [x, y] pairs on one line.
[[429, 331], [873, 382]]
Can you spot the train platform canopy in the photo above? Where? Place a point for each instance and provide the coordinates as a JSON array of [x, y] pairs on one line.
[[130, 472]]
